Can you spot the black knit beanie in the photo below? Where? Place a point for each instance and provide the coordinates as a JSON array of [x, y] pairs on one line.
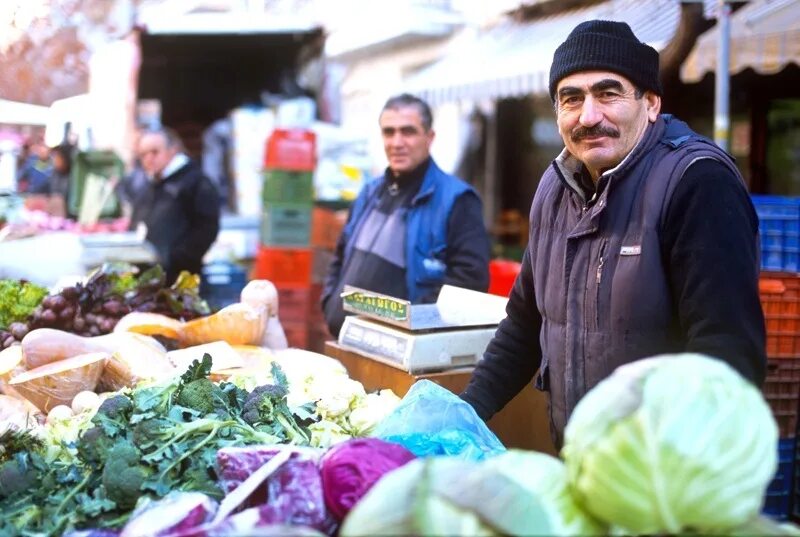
[[606, 46]]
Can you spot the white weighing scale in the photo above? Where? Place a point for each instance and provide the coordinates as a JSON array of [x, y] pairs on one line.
[[453, 332]]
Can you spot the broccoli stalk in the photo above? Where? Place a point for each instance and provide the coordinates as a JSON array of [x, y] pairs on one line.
[[266, 405]]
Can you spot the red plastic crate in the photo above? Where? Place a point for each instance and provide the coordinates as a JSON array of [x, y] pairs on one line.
[[782, 392], [296, 334], [291, 150], [502, 274], [780, 300], [283, 266], [294, 303]]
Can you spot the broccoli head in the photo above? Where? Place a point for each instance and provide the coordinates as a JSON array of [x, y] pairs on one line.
[[94, 444], [147, 432], [116, 408], [262, 405], [201, 395], [16, 476], [123, 475]]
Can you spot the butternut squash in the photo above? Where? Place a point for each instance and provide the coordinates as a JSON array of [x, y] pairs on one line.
[[237, 324], [150, 324], [47, 345], [57, 383]]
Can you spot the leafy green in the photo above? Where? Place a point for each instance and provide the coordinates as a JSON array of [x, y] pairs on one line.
[[18, 299]]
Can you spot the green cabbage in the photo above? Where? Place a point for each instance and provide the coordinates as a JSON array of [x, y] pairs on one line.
[[447, 496], [546, 476], [672, 444]]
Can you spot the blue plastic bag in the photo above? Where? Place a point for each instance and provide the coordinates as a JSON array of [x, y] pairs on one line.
[[431, 420]]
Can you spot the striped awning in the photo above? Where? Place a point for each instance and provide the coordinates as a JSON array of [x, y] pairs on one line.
[[765, 37], [513, 59]]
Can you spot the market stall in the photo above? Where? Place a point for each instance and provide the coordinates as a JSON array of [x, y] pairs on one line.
[[138, 412]]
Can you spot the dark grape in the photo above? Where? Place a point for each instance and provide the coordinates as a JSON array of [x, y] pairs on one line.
[[79, 324], [66, 313], [91, 318], [107, 325], [8, 341], [112, 307], [94, 330], [57, 303], [49, 316], [18, 330], [70, 293]]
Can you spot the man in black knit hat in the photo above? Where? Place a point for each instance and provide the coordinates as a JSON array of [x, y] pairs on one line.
[[643, 239]]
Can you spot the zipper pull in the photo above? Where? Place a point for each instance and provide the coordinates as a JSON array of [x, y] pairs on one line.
[[600, 269]]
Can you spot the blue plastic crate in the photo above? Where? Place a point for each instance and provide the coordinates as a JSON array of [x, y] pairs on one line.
[[778, 499], [221, 284], [779, 227]]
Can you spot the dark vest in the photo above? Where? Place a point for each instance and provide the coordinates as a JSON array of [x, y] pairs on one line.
[[601, 283], [426, 228]]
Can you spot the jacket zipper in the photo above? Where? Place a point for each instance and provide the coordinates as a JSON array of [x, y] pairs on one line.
[[602, 261], [599, 278]]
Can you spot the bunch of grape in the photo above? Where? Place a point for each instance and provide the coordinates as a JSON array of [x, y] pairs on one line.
[[92, 309], [65, 311]]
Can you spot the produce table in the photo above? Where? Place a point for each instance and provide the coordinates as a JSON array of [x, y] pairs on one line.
[[523, 423]]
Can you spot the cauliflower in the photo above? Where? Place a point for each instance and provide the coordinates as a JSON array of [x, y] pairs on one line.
[[370, 411], [336, 395], [326, 433]]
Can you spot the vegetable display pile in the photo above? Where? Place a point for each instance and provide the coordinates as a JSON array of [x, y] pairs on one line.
[[94, 307], [145, 442]]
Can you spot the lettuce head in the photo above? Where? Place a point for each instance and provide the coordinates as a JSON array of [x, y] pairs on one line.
[[672, 444]]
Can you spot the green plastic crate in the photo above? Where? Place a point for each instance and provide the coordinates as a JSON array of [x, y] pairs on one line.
[[282, 186], [286, 224], [105, 164]]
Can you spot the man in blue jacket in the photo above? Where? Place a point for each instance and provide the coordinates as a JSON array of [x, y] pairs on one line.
[[643, 239], [413, 229]]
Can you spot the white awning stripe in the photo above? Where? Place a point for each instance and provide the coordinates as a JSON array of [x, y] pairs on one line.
[[513, 59], [765, 37]]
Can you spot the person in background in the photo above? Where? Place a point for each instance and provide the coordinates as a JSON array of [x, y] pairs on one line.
[[412, 229], [61, 171], [179, 205], [34, 175], [643, 240]]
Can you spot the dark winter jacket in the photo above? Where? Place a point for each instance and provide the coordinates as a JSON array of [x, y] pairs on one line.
[[181, 212], [639, 272], [439, 249]]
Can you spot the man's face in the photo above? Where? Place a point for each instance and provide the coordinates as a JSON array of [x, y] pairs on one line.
[[406, 141], [154, 153], [600, 119]]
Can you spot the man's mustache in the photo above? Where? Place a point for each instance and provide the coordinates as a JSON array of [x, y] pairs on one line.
[[596, 130]]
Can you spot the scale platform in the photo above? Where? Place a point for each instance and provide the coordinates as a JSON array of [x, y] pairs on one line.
[[417, 338]]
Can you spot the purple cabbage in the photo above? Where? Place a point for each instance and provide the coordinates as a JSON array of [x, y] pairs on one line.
[[291, 495], [351, 468], [176, 514]]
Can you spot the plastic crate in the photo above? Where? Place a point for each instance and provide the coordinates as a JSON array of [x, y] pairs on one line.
[[296, 334], [221, 284], [283, 266], [780, 300], [103, 164], [285, 186], [326, 227], [779, 495], [502, 274], [779, 229], [782, 392], [286, 224], [291, 149], [294, 303]]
